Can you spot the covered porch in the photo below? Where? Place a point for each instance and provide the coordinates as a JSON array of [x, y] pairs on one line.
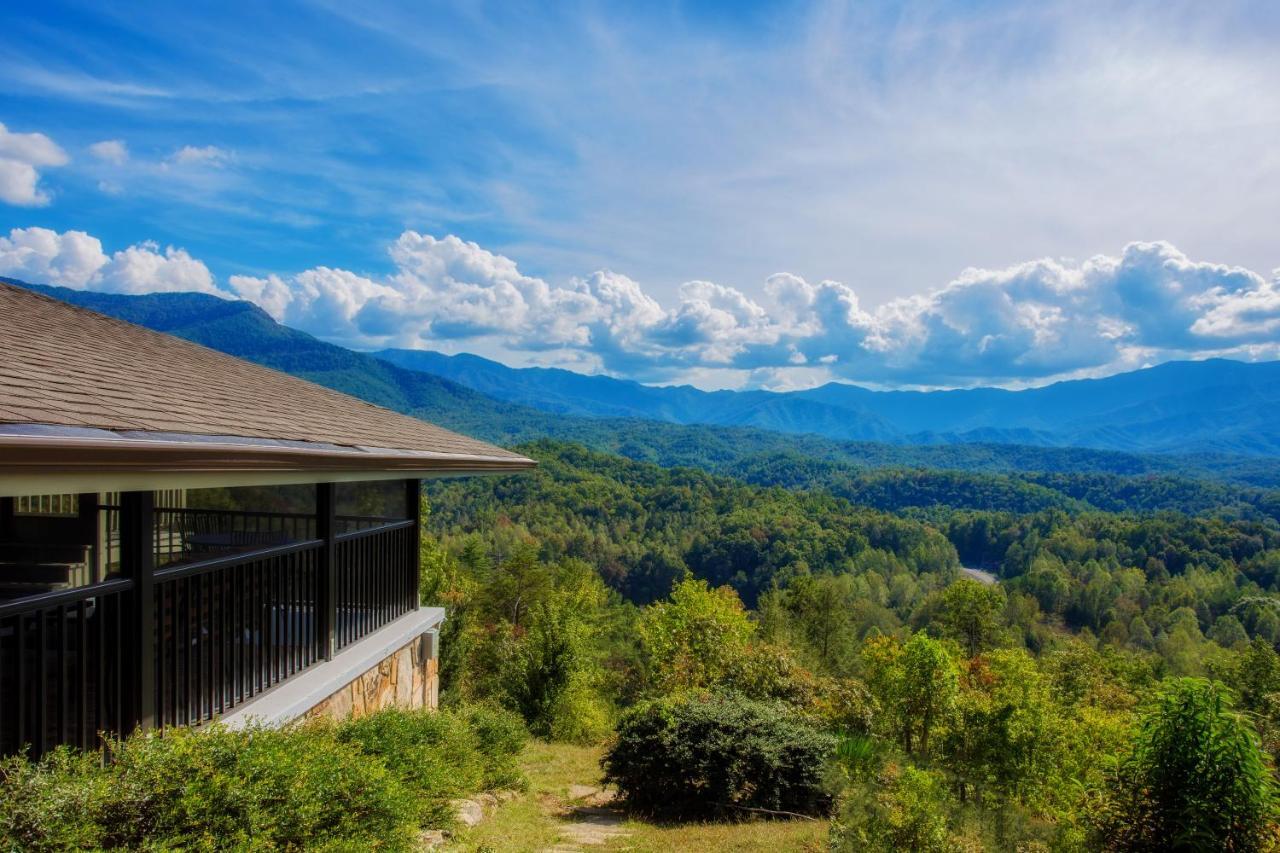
[[184, 534], [118, 610]]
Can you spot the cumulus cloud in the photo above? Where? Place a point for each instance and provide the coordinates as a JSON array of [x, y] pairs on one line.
[[76, 259], [22, 156], [71, 259], [1025, 323], [112, 151], [1022, 324]]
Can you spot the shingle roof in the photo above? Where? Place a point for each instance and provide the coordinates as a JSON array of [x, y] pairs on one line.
[[69, 367]]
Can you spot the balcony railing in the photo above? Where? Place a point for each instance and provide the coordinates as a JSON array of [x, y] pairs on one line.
[[215, 619], [60, 667]]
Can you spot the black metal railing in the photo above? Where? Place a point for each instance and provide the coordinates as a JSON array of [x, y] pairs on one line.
[[229, 628], [60, 667], [376, 583], [183, 534], [183, 634]]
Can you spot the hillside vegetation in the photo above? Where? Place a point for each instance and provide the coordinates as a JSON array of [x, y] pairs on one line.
[[785, 620], [601, 591]]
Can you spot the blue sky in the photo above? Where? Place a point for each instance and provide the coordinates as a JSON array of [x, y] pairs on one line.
[[730, 194]]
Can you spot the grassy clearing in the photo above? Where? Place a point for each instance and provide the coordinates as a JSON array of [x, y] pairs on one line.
[[539, 820]]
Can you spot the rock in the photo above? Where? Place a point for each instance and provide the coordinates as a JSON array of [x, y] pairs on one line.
[[469, 812], [487, 801], [430, 839]]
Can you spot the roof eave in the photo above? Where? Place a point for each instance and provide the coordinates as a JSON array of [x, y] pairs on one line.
[[54, 462]]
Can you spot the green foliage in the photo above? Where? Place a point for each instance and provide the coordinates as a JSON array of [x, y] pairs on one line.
[[1012, 698], [366, 784], [693, 640], [440, 756], [694, 756], [970, 612], [906, 811], [622, 517], [210, 790], [1196, 778], [915, 683]]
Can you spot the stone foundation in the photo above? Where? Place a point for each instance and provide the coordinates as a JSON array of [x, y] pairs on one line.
[[408, 678]]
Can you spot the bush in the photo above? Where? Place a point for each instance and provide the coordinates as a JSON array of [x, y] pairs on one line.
[[436, 754], [365, 784], [1196, 778], [906, 810], [208, 790], [500, 735], [57, 804], [698, 756]]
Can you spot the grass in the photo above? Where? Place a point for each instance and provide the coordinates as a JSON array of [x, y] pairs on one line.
[[536, 821]]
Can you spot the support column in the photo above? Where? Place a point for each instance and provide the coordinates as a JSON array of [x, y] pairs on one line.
[[413, 509], [89, 536], [327, 605], [137, 560]]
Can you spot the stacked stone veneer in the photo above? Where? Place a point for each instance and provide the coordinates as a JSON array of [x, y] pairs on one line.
[[408, 678]]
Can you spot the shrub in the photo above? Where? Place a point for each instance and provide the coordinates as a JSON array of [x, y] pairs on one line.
[[500, 735], [442, 755], [57, 804], [437, 755], [907, 810], [214, 789], [579, 715], [1196, 778], [363, 785], [697, 756]]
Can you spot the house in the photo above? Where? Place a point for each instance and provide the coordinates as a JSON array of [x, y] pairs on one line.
[[186, 537]]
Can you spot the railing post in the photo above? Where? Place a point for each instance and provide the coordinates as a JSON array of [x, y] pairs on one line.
[[137, 560], [327, 606], [413, 507]]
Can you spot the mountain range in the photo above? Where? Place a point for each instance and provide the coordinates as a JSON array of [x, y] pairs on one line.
[[723, 430], [1180, 407]]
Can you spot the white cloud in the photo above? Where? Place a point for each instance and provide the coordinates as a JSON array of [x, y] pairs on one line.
[[76, 259], [22, 155], [1022, 324], [208, 155], [39, 255], [1025, 323], [144, 268], [112, 151]]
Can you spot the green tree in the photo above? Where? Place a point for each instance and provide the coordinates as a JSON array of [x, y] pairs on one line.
[[1195, 779], [915, 683], [694, 639], [907, 811], [1257, 675], [971, 613]]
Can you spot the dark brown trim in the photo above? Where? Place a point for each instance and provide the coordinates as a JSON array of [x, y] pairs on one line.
[[28, 455]]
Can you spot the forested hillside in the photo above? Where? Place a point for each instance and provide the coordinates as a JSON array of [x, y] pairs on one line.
[[787, 622], [1034, 714], [1212, 405]]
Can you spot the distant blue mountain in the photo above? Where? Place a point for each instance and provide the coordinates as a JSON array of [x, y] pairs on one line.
[[1190, 406], [1216, 411]]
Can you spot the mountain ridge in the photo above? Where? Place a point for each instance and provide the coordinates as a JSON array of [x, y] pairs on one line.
[[245, 330], [1176, 407]]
